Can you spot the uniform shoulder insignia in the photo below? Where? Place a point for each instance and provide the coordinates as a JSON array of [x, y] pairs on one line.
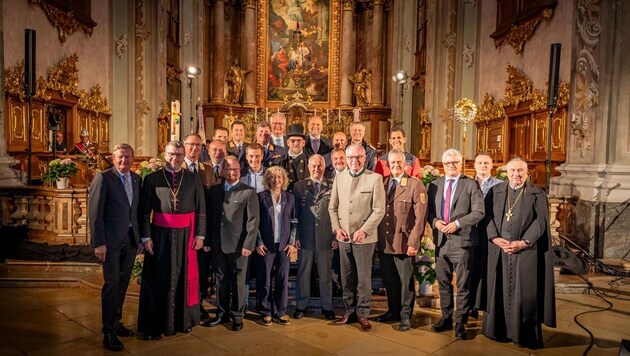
[[423, 198], [276, 156], [231, 144], [403, 181], [272, 147]]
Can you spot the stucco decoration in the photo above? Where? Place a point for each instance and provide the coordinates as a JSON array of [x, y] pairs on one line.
[[587, 70], [65, 21], [469, 55], [518, 35], [449, 40], [122, 44]]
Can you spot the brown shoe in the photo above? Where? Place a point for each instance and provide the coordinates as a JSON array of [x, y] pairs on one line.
[[365, 324], [346, 319]]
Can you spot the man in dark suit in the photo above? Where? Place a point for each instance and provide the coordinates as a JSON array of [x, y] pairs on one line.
[[233, 221], [270, 151], [253, 175], [316, 143], [315, 240], [113, 208], [236, 147], [339, 142], [217, 155], [455, 207], [399, 236], [192, 146], [357, 135], [278, 126]]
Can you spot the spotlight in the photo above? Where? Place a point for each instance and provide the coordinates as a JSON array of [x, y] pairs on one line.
[[400, 77], [192, 72]]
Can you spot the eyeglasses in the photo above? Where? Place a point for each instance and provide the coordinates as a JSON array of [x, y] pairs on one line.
[[451, 164], [174, 154], [295, 140], [192, 144], [351, 158]]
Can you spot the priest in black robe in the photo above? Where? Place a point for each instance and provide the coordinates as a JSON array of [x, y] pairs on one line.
[[520, 292], [172, 226]]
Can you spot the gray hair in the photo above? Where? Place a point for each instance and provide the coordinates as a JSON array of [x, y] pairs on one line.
[[122, 146], [395, 152], [315, 157], [451, 152], [176, 144], [355, 145]]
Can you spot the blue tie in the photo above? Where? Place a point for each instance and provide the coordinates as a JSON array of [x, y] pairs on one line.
[[128, 189]]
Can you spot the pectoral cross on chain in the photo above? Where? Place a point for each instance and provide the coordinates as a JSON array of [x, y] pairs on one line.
[[176, 203], [508, 215]]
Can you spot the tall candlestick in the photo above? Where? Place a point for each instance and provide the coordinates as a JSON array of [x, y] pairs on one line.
[[327, 116], [315, 113], [339, 115], [267, 114]]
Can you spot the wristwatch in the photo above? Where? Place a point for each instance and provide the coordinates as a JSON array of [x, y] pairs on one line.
[[526, 243]]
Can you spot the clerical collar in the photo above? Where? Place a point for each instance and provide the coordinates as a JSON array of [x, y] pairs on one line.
[[171, 171], [516, 188], [295, 156], [354, 175]]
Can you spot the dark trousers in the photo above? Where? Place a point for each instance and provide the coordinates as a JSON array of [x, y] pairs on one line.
[[399, 283], [323, 259], [273, 265], [230, 279], [356, 277], [116, 274], [451, 258]]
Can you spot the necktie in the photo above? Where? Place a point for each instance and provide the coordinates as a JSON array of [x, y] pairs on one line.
[[446, 208], [193, 167], [216, 170], [240, 149], [279, 142], [317, 186], [392, 190], [128, 189], [315, 144]]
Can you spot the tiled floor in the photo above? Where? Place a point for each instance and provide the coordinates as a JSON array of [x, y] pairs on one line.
[[65, 321]]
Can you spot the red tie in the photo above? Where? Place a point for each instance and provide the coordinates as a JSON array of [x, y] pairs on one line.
[[446, 208]]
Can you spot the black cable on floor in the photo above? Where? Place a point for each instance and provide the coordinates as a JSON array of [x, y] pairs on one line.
[[575, 318]]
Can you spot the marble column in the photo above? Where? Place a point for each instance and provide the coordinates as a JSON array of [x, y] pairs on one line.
[[348, 52], [248, 51], [376, 56], [8, 177], [219, 68]]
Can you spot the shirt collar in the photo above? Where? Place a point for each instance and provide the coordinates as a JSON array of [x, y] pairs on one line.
[[189, 162], [353, 175], [295, 156], [259, 173]]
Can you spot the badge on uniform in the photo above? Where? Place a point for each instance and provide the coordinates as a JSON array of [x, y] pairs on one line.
[[423, 198], [403, 181]]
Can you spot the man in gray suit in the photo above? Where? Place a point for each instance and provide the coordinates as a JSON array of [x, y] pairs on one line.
[[357, 206], [455, 207], [315, 240], [113, 208], [233, 215]]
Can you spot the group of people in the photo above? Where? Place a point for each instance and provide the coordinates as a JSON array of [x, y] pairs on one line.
[[248, 207]]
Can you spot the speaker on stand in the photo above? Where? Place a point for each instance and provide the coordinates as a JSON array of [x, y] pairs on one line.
[[552, 102], [29, 89]]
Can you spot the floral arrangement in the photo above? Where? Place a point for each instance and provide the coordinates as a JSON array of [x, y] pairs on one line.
[[60, 168], [501, 173], [136, 271], [429, 174], [151, 166], [424, 268]]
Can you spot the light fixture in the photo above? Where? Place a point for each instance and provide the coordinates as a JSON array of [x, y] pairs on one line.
[[400, 77], [192, 72]]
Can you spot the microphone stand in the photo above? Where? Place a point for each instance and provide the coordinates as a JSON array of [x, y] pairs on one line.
[[551, 108]]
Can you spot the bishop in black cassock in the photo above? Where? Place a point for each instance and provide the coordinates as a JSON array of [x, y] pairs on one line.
[[169, 300], [520, 287]]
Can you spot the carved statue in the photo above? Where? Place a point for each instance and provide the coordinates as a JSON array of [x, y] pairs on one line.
[[235, 81], [361, 83]]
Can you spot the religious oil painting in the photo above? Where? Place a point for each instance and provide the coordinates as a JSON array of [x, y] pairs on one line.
[[298, 45]]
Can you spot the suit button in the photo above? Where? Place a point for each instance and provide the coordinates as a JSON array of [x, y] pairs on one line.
[[350, 213]]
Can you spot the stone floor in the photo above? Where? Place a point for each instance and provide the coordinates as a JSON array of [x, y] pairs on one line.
[[67, 321]]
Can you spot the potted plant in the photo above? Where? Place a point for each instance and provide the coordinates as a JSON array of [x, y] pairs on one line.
[[59, 171], [424, 268]]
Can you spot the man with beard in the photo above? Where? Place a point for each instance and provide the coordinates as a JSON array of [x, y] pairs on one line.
[[339, 141], [294, 161], [521, 295], [169, 295], [217, 156]]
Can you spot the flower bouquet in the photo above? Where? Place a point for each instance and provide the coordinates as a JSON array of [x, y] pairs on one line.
[[151, 166], [429, 174], [424, 268], [59, 170], [136, 270], [502, 173]]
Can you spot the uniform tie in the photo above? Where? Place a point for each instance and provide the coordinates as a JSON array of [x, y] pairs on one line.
[[392, 190]]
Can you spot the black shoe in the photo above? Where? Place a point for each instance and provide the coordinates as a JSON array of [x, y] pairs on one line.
[[219, 319], [474, 314], [460, 331], [237, 325], [122, 331], [112, 343], [405, 324], [149, 337], [443, 325], [329, 314], [203, 317], [387, 317], [299, 314]]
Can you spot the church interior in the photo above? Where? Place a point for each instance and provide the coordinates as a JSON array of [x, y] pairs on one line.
[[544, 80]]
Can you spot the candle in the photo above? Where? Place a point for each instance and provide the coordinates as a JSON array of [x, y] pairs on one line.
[[339, 115], [255, 113], [266, 113], [315, 112], [327, 116]]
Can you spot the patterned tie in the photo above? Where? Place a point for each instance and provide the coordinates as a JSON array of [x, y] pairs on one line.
[[317, 186], [216, 170], [193, 167], [279, 142], [128, 189], [315, 144], [446, 208]]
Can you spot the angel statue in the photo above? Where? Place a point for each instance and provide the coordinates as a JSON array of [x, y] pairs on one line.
[[235, 81], [360, 80]]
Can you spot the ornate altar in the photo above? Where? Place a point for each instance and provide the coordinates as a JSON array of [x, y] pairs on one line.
[[77, 110], [516, 126]]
